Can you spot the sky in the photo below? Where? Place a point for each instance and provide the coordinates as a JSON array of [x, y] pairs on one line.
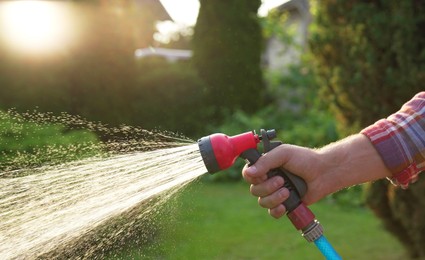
[[185, 12]]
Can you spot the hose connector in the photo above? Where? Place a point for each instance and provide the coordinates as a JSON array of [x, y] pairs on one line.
[[304, 220], [313, 231]]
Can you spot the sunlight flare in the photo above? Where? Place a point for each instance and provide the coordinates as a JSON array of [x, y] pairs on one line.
[[35, 27]]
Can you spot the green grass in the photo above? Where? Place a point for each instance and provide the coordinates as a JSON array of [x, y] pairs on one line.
[[223, 221]]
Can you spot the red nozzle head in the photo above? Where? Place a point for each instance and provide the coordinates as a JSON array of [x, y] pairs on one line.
[[220, 151]]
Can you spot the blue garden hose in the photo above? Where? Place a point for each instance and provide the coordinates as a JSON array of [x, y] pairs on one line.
[[326, 248]]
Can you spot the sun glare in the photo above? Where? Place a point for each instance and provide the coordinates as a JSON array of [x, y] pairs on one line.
[[35, 27]]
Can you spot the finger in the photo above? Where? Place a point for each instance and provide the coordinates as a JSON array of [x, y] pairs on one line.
[[278, 211], [253, 179], [274, 199], [267, 187]]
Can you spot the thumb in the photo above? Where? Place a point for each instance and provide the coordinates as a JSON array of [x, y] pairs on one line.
[[274, 159], [298, 160]]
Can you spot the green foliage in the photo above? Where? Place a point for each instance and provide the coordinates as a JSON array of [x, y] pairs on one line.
[[29, 144], [276, 24], [370, 56], [227, 53], [169, 96]]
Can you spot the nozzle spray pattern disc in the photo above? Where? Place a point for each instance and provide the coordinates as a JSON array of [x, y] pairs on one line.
[[207, 153]]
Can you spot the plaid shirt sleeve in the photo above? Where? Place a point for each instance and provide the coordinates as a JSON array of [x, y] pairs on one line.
[[400, 141]]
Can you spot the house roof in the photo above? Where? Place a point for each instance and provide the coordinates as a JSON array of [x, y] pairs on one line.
[[155, 6]]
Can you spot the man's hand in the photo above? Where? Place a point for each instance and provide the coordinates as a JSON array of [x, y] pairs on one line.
[[348, 162]]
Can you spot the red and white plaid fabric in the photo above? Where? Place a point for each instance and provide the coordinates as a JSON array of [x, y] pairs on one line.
[[400, 141]]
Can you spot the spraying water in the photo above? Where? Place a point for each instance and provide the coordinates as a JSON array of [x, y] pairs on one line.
[[57, 204], [44, 208]]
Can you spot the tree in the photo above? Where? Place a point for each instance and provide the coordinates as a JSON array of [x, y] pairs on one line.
[[370, 57], [227, 54]]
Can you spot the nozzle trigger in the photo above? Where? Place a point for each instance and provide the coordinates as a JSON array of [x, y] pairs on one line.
[[250, 156]]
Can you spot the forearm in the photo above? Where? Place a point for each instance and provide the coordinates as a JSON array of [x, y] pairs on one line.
[[351, 161]]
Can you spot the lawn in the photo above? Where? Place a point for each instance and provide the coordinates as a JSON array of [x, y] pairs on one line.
[[223, 221]]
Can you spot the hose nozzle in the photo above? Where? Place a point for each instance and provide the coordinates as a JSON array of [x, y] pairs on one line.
[[220, 151]]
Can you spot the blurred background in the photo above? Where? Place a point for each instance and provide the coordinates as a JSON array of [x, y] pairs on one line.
[[316, 71]]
